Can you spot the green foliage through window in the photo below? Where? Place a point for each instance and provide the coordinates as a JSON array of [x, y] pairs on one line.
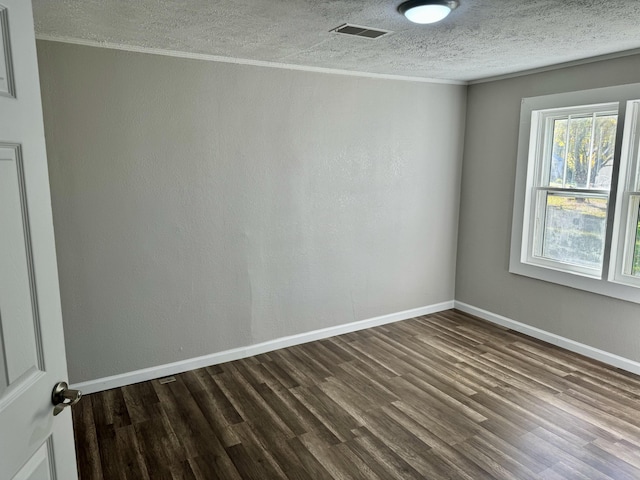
[[582, 156], [635, 269]]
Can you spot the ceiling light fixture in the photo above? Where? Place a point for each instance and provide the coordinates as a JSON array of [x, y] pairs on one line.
[[427, 11]]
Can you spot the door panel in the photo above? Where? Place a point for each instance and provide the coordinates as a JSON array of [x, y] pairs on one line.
[[33, 443], [38, 467], [17, 298]]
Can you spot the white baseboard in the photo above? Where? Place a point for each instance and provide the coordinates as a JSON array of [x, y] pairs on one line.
[[566, 343], [115, 381]]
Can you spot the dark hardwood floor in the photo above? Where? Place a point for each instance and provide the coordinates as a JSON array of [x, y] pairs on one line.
[[443, 396]]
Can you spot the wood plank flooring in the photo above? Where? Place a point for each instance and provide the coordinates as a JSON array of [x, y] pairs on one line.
[[444, 396]]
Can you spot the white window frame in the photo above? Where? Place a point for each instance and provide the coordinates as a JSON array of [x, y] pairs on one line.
[[628, 201], [610, 281], [542, 124]]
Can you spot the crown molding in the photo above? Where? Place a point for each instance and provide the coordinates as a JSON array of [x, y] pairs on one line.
[[557, 66], [243, 61]]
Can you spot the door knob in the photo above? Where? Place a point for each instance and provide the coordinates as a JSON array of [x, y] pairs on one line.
[[63, 396]]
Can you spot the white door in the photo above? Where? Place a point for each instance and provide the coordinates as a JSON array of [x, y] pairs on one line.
[[34, 444]]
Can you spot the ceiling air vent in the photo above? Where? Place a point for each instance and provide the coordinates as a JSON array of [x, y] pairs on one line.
[[359, 31]]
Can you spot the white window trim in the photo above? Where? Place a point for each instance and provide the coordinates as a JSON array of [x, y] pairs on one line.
[[606, 284]]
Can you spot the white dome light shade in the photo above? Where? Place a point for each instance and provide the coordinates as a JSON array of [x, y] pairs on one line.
[[427, 11]]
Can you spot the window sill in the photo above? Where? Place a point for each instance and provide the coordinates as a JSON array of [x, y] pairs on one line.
[[577, 281]]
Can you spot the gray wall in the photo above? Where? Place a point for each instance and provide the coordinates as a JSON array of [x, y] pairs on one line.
[[483, 280], [204, 206]]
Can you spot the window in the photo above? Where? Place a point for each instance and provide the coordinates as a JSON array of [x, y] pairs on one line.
[[576, 217], [626, 251], [571, 186]]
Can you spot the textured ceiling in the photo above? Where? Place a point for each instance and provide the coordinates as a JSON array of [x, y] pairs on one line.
[[482, 38]]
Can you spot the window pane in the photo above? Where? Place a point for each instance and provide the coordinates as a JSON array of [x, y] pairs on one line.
[[582, 157], [557, 172], [603, 150], [574, 229], [634, 152], [635, 267]]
